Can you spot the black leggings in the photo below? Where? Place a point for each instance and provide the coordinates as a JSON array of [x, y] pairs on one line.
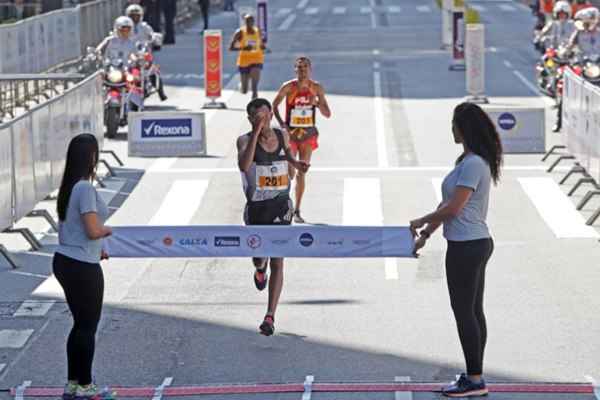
[[83, 284], [465, 271]]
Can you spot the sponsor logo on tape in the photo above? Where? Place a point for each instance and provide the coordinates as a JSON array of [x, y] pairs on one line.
[[280, 242], [145, 242], [306, 240], [193, 242], [227, 241], [254, 241], [168, 241], [361, 242], [338, 242], [507, 121], [166, 128]]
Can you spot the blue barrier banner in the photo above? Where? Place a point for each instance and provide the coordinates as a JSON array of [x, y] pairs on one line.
[[259, 241]]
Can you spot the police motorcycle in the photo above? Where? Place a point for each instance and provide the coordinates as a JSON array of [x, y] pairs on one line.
[[549, 70], [123, 85], [146, 41]]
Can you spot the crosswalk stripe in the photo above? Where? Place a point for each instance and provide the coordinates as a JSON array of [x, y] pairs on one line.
[[181, 202], [339, 10], [302, 4], [478, 8], [282, 12], [285, 25], [34, 308], [394, 9], [556, 209], [366, 10], [311, 11], [2, 366], [14, 339], [424, 9], [507, 7]]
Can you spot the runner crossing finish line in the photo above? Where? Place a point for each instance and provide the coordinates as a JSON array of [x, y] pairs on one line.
[[259, 241]]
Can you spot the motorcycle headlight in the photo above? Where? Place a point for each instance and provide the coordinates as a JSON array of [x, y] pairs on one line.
[[115, 76], [592, 71], [550, 63]]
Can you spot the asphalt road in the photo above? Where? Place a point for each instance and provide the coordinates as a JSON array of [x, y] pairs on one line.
[[339, 320]]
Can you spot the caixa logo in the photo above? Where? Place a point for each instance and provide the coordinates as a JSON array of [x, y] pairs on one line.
[[166, 128]]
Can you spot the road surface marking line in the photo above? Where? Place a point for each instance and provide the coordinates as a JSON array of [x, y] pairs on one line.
[[394, 9], [29, 274], [283, 11], [163, 163], [34, 308], [363, 207], [49, 288], [424, 9], [312, 11], [477, 7], [525, 81], [366, 10], [556, 209], [181, 202], [437, 188], [507, 7], [14, 339], [285, 25], [403, 395], [158, 392], [308, 382], [2, 366], [339, 10], [508, 64], [21, 390], [302, 4], [382, 158]]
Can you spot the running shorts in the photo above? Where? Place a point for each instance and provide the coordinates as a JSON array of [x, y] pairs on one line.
[[277, 211], [248, 68], [304, 136]]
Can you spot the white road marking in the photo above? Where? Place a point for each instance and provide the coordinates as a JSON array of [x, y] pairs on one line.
[[339, 10], [437, 188], [19, 395], [283, 11], [49, 288], [508, 64], [366, 10], [312, 11], [2, 366], [363, 207], [34, 308], [163, 163], [181, 202], [382, 158], [493, 49], [403, 395], [302, 4], [424, 9], [394, 9], [507, 7], [29, 274], [308, 381], [556, 209], [477, 7], [285, 25], [14, 339], [158, 392], [527, 168], [526, 82]]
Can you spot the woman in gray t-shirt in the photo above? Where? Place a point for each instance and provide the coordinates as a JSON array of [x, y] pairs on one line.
[[76, 263], [463, 212]]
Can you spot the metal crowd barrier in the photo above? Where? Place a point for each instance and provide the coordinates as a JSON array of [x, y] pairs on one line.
[[33, 148], [581, 124]]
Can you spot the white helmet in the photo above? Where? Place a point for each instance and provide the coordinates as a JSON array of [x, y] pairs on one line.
[[589, 14], [562, 6], [135, 9], [123, 22]]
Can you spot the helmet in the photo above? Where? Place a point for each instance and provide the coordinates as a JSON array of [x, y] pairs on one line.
[[134, 9], [589, 17], [561, 6], [123, 22]]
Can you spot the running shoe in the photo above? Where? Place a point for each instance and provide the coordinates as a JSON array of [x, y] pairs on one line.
[[70, 391], [464, 387], [298, 218], [267, 327], [261, 278], [92, 392]]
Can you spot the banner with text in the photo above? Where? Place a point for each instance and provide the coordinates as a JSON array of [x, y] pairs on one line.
[[259, 241]]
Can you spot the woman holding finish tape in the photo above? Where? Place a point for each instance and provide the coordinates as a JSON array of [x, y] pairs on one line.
[[463, 212], [76, 263]]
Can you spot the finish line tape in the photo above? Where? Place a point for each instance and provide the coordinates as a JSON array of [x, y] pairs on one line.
[[259, 241], [173, 391]]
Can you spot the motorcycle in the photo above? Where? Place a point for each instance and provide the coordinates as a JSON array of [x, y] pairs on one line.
[[150, 71], [547, 70], [124, 93]]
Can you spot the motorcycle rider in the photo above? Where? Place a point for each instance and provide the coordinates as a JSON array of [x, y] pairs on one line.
[[559, 31], [143, 33], [118, 45], [579, 5]]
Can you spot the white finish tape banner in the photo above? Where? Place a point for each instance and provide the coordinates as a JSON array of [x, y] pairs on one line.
[[259, 241]]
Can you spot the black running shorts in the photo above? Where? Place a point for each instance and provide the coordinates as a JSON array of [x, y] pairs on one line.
[[277, 211]]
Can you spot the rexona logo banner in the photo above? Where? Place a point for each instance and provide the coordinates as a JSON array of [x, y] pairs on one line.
[[161, 128], [259, 241], [166, 134]]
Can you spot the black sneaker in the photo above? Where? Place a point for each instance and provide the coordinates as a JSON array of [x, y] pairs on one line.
[[267, 327], [298, 218], [261, 278], [464, 387]]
